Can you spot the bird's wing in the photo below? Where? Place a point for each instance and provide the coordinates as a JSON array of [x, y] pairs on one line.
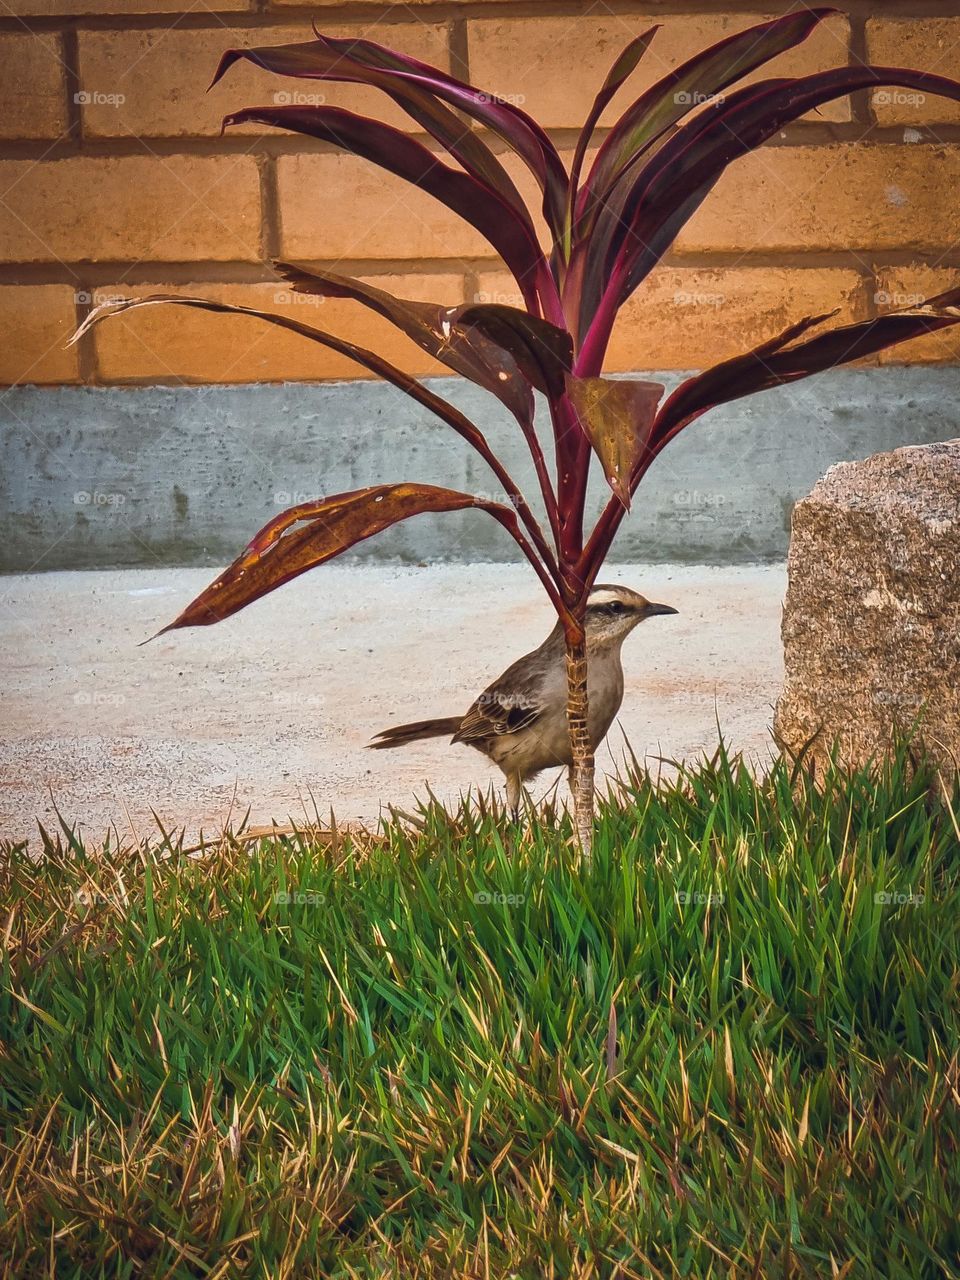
[[498, 711]]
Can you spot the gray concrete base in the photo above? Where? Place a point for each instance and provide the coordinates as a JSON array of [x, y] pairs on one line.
[[150, 476], [271, 710]]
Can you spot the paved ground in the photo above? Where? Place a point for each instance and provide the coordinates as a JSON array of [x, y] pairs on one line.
[[271, 710]]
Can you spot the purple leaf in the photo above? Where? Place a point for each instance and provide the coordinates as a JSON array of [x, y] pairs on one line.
[[468, 430], [315, 60], [501, 348], [784, 360], [622, 69], [368, 359], [399, 154], [362, 60], [543, 351], [667, 191], [687, 87], [437, 329]]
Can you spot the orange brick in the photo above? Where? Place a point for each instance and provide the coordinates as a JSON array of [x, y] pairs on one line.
[[907, 287], [74, 8], [163, 77], [553, 67], [841, 197], [167, 343], [35, 323], [338, 206], [136, 207], [32, 87], [927, 44], [686, 318], [691, 317]]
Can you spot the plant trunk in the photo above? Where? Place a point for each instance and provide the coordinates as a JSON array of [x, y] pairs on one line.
[[581, 770]]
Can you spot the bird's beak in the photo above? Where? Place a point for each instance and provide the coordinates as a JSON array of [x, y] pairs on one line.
[[653, 610]]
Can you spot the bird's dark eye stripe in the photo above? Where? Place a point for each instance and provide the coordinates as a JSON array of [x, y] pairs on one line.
[[610, 607]]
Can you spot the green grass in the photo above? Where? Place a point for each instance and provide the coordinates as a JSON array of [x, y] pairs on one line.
[[727, 1048]]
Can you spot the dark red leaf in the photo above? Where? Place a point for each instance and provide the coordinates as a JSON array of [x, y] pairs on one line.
[[501, 348], [368, 62], [368, 359], [686, 88], [437, 329], [543, 351], [314, 532], [396, 152], [315, 60], [468, 430], [622, 69], [785, 360], [665, 193]]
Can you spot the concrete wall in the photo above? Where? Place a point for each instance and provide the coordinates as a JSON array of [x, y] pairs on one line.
[[107, 477]]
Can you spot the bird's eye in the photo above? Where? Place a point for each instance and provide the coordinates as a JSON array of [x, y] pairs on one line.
[[615, 606]]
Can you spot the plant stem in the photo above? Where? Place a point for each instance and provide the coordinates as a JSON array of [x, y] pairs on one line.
[[581, 748]]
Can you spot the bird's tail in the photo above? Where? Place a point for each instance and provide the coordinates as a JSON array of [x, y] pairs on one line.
[[401, 734]]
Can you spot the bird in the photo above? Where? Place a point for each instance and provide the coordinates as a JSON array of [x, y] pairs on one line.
[[520, 720]]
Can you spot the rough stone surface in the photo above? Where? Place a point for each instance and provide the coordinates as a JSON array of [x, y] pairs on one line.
[[871, 624]]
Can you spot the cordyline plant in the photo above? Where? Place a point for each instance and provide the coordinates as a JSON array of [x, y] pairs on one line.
[[609, 224]]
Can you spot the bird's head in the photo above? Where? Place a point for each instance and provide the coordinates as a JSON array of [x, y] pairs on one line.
[[613, 612]]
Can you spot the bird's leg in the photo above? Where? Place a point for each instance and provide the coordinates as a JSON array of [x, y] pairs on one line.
[[514, 792]]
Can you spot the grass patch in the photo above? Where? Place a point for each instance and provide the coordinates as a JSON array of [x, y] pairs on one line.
[[728, 1048]]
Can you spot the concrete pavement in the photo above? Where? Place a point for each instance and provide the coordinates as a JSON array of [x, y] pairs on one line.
[[271, 709]]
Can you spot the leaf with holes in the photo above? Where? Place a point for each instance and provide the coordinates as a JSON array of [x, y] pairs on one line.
[[617, 415], [501, 348], [312, 533]]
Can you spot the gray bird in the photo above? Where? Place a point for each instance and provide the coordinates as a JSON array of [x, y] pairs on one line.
[[520, 721]]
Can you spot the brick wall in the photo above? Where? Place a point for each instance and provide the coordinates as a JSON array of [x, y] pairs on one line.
[[114, 181]]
